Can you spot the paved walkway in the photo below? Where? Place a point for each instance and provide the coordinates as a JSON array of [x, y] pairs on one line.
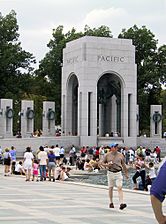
[[67, 202]]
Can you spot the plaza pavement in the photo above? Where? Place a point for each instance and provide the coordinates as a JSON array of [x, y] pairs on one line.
[[67, 203]]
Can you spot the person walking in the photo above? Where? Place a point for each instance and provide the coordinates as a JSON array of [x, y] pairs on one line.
[[158, 192], [114, 162]]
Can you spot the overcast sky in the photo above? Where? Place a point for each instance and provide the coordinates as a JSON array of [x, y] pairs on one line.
[[37, 18]]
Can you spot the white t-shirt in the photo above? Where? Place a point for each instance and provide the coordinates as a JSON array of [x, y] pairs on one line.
[[42, 156], [18, 168], [28, 156], [152, 173], [86, 166], [57, 151], [64, 175]]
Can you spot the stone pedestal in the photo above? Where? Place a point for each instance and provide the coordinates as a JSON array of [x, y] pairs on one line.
[[6, 118], [27, 118], [48, 118], [156, 121], [137, 119]]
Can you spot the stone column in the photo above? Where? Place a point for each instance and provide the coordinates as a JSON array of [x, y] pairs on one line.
[[63, 115], [137, 119], [27, 118], [124, 115], [156, 121], [48, 118], [113, 114], [101, 120], [6, 118]]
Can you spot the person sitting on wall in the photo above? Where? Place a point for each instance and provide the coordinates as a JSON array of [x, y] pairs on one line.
[[18, 135]]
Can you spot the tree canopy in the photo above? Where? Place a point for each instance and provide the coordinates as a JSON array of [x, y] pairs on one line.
[[15, 63], [19, 81], [151, 65]]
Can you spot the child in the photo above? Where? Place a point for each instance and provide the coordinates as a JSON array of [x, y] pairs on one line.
[[68, 169], [63, 175], [35, 170], [58, 171]]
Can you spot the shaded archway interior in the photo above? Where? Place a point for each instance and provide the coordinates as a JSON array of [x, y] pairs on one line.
[[109, 105], [72, 105]]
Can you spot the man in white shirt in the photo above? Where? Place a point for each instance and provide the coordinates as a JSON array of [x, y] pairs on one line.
[[57, 154]]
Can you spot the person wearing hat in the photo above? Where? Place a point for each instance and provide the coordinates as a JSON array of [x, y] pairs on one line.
[[114, 163]]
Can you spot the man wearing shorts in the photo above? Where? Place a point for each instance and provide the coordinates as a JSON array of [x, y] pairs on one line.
[[158, 192], [114, 162]]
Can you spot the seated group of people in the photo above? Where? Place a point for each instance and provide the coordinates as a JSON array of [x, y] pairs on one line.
[[61, 172], [88, 164]]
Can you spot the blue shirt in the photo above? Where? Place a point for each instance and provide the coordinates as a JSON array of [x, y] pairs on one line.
[[51, 157]]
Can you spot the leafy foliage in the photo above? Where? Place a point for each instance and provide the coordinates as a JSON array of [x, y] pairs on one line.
[[18, 81], [150, 69], [13, 59]]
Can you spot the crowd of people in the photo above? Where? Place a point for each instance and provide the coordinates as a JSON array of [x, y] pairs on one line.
[[55, 163], [45, 162]]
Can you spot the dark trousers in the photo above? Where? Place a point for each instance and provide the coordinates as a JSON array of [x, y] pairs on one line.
[[140, 174]]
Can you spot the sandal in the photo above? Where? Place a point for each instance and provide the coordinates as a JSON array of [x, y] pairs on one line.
[[122, 206], [111, 205]]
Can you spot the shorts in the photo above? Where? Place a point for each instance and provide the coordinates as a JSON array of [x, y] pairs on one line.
[[51, 165], [114, 179], [7, 162], [27, 165], [158, 188]]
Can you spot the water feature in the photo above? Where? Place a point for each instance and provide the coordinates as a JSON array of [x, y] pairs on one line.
[[100, 178]]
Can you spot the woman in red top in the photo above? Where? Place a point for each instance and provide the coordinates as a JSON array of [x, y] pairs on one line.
[[83, 151]]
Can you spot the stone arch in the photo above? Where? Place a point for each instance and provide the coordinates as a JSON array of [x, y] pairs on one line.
[[92, 59], [72, 105], [109, 104]]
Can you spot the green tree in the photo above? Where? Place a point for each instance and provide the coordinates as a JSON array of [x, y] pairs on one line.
[[15, 64], [150, 69], [14, 61]]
